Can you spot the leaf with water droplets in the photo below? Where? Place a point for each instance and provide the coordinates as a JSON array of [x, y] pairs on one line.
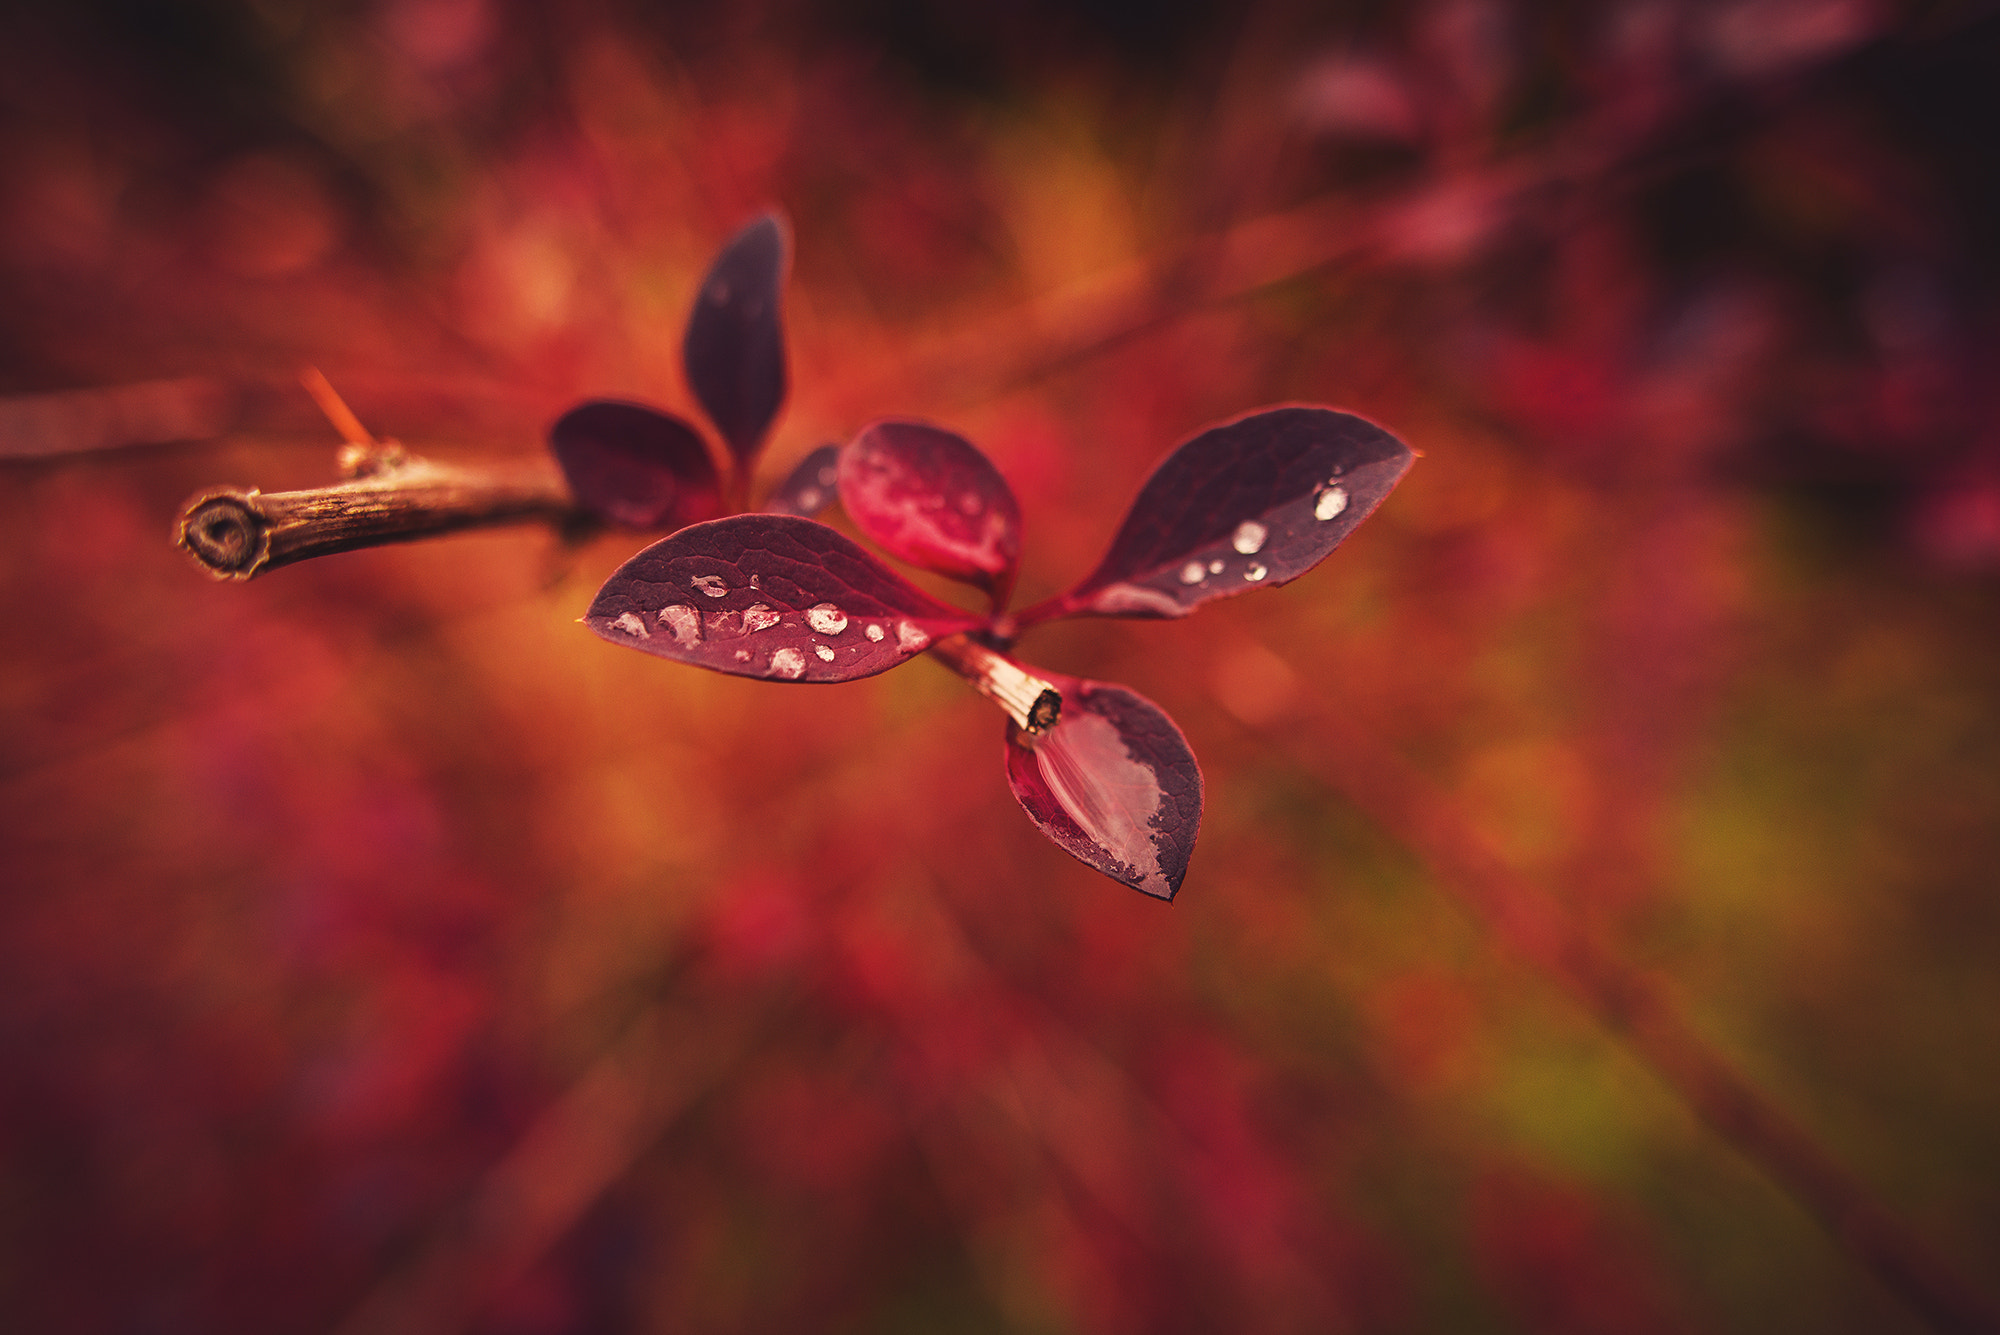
[[929, 497], [770, 596], [1250, 504], [1113, 784], [636, 466], [734, 350], [811, 487]]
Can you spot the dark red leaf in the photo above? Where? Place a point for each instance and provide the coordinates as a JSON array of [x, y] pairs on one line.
[[1113, 784], [636, 466], [734, 351], [812, 486], [770, 596], [931, 498], [1247, 505]]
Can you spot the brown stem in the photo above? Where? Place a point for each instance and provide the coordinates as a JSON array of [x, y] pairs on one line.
[[394, 497], [1532, 926], [1033, 704]]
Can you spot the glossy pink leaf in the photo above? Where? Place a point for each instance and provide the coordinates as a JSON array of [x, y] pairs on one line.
[[811, 487], [931, 498], [1113, 784], [1247, 505], [770, 596], [636, 466], [734, 350]]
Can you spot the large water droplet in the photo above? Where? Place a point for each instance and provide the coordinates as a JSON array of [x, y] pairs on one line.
[[1330, 502], [826, 619], [789, 663], [911, 637], [1249, 537], [712, 585], [825, 652], [630, 623], [1194, 572], [874, 631], [1255, 572], [683, 621], [758, 617]]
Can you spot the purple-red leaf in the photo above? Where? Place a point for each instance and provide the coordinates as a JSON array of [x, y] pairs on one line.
[[1245, 505], [931, 498], [812, 486], [636, 466], [770, 596], [1113, 784], [734, 351]]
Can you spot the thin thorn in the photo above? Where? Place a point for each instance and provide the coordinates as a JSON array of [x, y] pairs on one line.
[[336, 409]]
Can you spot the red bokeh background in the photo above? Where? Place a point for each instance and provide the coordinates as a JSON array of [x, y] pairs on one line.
[[380, 951]]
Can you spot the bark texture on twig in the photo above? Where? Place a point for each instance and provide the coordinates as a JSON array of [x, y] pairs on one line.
[[392, 497]]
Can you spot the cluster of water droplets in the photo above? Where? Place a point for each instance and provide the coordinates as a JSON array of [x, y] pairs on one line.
[[689, 627]]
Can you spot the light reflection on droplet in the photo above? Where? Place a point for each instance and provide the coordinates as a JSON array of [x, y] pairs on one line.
[[824, 651], [630, 623], [1215, 566], [758, 617], [911, 637], [1193, 572], [874, 632], [683, 621], [789, 663], [712, 585], [1330, 502], [1255, 572], [1249, 537], [826, 619]]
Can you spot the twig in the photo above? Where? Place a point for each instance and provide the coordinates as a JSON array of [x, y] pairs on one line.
[[1528, 923], [393, 496]]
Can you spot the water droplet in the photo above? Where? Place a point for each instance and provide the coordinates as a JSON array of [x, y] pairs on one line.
[[1255, 572], [911, 637], [683, 621], [824, 651], [1249, 537], [1194, 572], [969, 503], [712, 585], [1136, 600], [1215, 567], [809, 498], [758, 617], [1330, 502], [742, 655], [756, 581], [826, 619], [630, 623], [789, 663], [874, 631]]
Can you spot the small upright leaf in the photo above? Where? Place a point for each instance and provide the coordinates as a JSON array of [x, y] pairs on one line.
[[1246, 505], [1113, 784], [636, 466], [811, 487], [931, 498], [734, 351], [770, 596]]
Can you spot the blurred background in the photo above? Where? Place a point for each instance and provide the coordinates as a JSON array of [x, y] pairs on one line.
[[380, 951]]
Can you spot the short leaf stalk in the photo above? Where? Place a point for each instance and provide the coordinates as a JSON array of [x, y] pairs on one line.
[[1033, 703]]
